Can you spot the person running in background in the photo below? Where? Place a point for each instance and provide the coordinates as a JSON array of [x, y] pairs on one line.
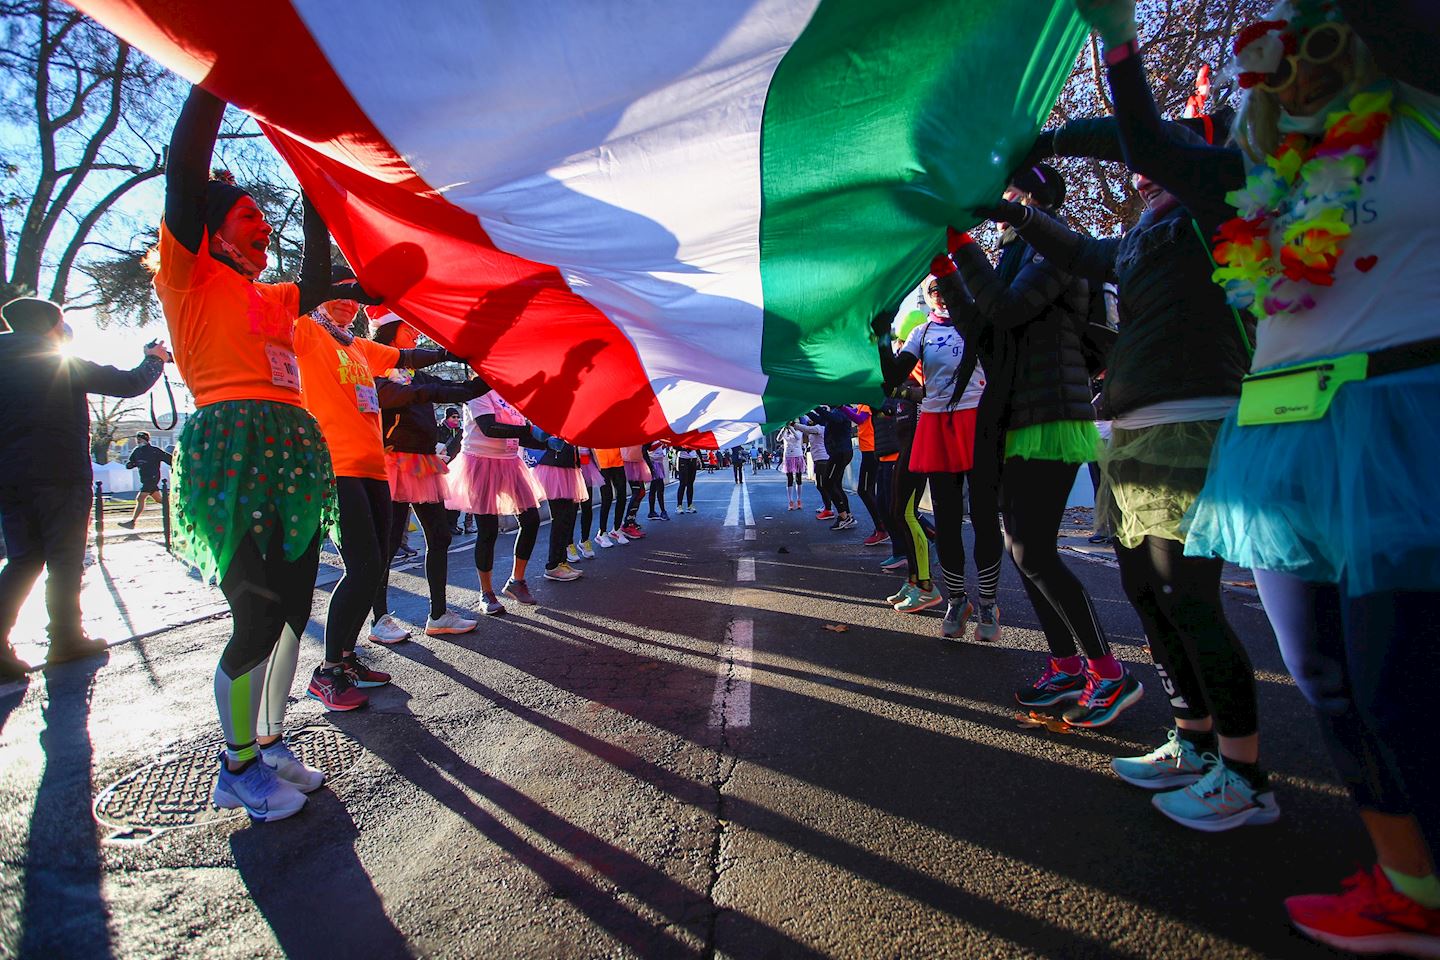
[[560, 476], [688, 463], [658, 454], [148, 459], [792, 441], [637, 475], [417, 478], [254, 488], [867, 485], [1028, 319], [493, 481], [612, 497], [1323, 481]]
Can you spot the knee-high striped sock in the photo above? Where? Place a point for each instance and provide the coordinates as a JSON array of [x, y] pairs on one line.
[[989, 582], [954, 582]]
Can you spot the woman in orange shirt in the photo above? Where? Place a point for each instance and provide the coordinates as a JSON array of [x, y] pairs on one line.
[[253, 479], [337, 372]]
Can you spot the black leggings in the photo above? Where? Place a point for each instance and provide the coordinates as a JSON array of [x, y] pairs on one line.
[[487, 527], [835, 484], [1033, 494], [435, 522], [822, 476], [868, 487], [1202, 665], [657, 491], [685, 488], [586, 515], [612, 490], [562, 525], [266, 594], [637, 494], [364, 527]]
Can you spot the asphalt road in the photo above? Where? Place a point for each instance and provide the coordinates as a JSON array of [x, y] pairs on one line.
[[718, 743]]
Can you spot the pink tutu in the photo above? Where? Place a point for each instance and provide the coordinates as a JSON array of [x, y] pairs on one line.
[[636, 471], [794, 464], [416, 477], [496, 486], [562, 483], [591, 474]]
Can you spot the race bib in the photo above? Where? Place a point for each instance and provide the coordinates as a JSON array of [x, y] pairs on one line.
[[366, 398], [284, 369], [512, 446]]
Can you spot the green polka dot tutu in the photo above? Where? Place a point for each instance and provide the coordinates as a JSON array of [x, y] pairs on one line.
[[245, 468]]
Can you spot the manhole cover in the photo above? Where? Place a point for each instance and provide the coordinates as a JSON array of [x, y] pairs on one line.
[[174, 791]]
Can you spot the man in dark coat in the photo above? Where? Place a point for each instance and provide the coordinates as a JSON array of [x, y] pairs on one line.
[[45, 486]]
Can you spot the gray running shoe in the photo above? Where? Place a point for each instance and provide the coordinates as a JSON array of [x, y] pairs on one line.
[[490, 604], [517, 590], [957, 619], [987, 623]]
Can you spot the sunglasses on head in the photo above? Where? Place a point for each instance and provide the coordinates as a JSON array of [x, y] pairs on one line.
[[1322, 44]]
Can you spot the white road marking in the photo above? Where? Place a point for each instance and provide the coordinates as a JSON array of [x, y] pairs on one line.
[[732, 512], [745, 570], [750, 534], [745, 496], [730, 706]]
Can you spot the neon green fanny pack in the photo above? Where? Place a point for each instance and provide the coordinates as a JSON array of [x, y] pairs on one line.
[[1300, 392]]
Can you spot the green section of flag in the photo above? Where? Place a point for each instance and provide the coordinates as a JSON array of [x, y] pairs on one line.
[[884, 123]]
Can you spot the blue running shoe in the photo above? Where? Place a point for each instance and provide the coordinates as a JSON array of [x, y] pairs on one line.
[[893, 564], [1220, 800], [1104, 700], [1176, 764], [1054, 686], [258, 789]]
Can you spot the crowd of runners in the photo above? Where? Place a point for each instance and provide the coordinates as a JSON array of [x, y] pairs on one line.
[[1303, 445]]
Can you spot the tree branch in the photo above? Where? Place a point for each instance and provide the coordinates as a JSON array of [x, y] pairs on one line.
[[67, 259]]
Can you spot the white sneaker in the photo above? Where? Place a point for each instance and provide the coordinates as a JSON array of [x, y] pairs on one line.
[[562, 572], [279, 757], [604, 541], [586, 552], [387, 630], [572, 553], [618, 538], [257, 788], [448, 622]]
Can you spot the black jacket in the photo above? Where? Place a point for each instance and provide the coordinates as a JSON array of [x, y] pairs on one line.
[[839, 429], [407, 414], [45, 430], [566, 457], [1178, 338], [1029, 315], [148, 458]]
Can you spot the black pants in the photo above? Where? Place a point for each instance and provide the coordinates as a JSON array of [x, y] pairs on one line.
[[685, 488], [612, 491], [657, 493], [868, 487], [487, 531], [562, 525], [835, 483], [266, 594], [739, 471], [435, 522], [1032, 495], [822, 481], [45, 527], [364, 530], [1202, 665], [586, 515], [637, 494]]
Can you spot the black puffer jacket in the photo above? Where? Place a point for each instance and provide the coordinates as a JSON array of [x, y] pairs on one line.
[[407, 412], [1178, 339], [1029, 317]]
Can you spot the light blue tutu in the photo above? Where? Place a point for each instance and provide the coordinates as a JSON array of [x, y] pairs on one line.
[[1352, 498]]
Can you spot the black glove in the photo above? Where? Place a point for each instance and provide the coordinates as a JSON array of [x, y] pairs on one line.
[[1004, 211], [880, 324], [478, 387], [350, 290], [1043, 148]]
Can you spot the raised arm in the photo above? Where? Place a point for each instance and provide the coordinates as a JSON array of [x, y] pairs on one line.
[[187, 168], [396, 395], [1076, 254]]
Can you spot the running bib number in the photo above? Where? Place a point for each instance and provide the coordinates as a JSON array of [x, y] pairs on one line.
[[366, 398], [512, 446], [284, 369]]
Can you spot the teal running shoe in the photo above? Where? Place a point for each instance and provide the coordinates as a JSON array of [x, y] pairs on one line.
[[905, 590], [1220, 800], [1054, 686], [1175, 764], [920, 600]]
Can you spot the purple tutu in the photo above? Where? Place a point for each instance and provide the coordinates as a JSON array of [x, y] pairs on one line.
[[591, 474], [562, 483], [794, 464], [658, 469], [494, 486], [636, 471], [416, 477]]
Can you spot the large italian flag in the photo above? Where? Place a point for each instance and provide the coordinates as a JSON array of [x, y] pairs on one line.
[[638, 218]]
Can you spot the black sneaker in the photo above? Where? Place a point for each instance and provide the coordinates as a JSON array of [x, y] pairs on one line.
[[12, 668]]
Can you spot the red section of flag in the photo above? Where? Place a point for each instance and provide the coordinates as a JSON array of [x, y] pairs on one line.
[[548, 351]]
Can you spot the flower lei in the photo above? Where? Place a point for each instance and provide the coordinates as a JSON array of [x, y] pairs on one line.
[[1301, 190]]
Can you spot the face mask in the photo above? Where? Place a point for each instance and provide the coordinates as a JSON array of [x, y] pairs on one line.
[[1313, 125], [237, 259], [322, 317]]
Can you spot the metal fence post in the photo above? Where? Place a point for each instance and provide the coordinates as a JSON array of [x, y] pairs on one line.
[[99, 518], [165, 510]]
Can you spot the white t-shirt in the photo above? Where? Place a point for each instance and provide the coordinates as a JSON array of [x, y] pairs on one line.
[[939, 347], [476, 443], [817, 445], [1387, 283], [794, 442]]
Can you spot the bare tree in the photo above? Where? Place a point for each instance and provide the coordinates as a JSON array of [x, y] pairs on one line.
[[107, 415]]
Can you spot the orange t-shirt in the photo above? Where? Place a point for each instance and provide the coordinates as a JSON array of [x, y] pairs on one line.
[[606, 457], [867, 429], [339, 389], [232, 337]]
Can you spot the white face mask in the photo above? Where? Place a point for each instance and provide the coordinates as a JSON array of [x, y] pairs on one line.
[[1313, 125]]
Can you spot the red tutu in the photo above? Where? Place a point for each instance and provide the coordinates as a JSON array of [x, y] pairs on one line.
[[496, 486], [416, 477], [561, 483], [637, 471], [944, 442]]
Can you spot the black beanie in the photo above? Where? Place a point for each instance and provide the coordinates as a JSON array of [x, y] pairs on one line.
[[220, 196], [31, 315], [1044, 183]]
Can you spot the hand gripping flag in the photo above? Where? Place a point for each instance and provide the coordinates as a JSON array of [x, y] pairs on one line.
[[638, 218]]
